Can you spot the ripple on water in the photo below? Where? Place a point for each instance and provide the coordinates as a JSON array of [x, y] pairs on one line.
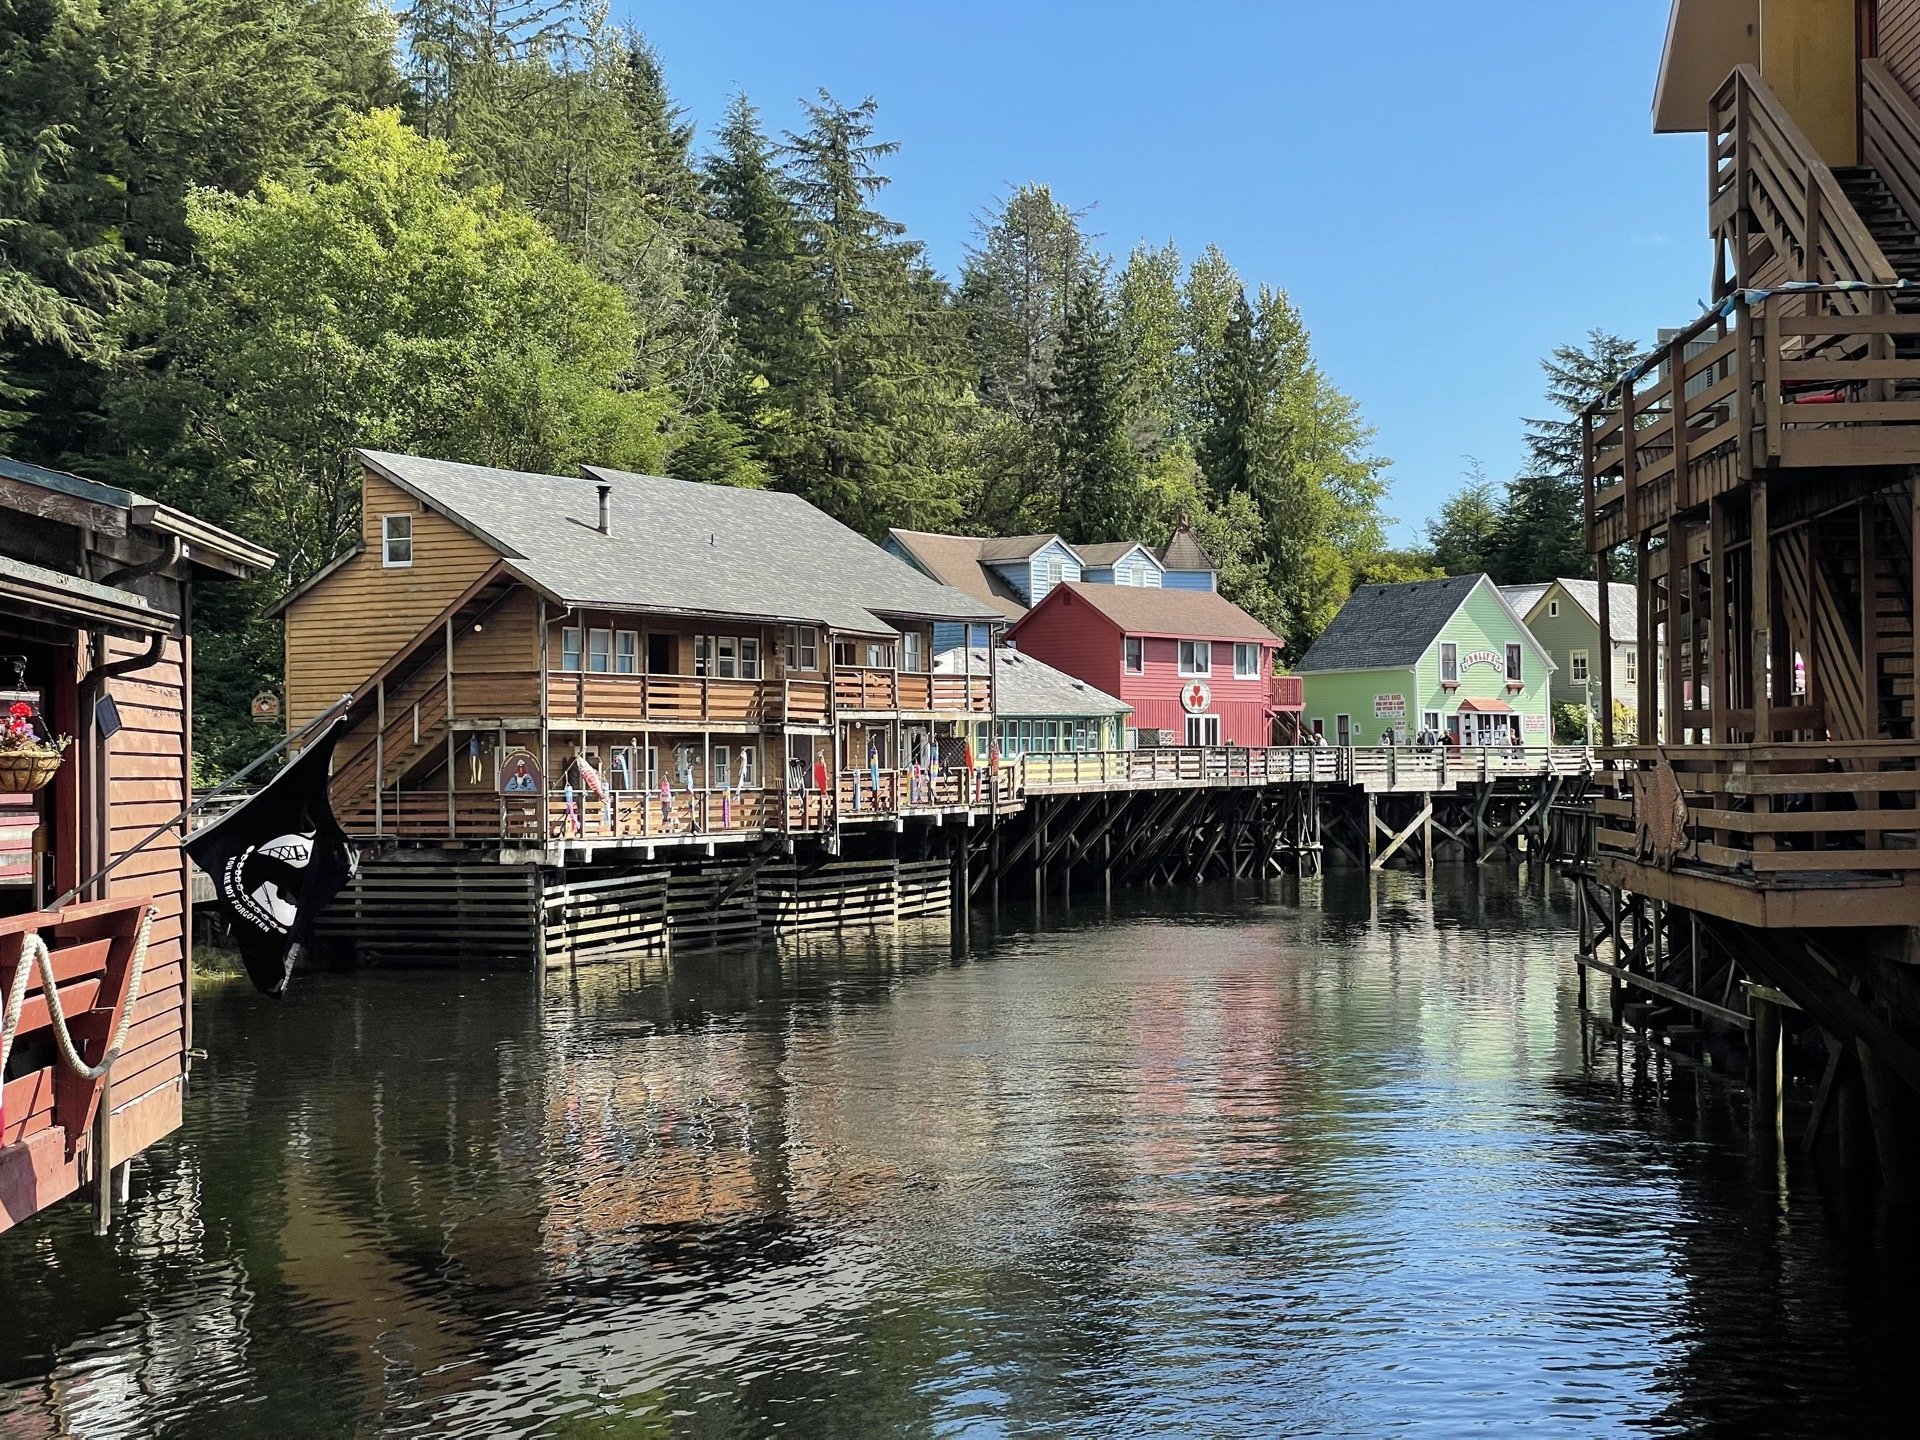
[[1221, 1167]]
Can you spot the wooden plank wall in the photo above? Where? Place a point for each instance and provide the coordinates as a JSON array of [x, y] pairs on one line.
[[149, 786], [1900, 41], [349, 625]]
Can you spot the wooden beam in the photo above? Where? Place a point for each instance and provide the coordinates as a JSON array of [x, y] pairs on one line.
[[1719, 631], [1603, 575], [1760, 579]]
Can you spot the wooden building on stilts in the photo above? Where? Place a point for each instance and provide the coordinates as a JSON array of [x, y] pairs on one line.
[[95, 647], [1757, 869], [595, 714]]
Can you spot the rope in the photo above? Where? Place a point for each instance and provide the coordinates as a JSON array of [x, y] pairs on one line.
[[33, 949]]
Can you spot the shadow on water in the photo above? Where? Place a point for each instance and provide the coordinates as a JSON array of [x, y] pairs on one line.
[[1330, 1157]]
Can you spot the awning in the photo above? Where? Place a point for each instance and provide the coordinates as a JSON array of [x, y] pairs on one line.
[[1487, 707], [49, 597]]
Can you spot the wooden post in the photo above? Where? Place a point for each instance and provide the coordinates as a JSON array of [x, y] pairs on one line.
[[379, 757], [1677, 412], [102, 1156], [1372, 821], [1760, 565], [1646, 690], [1869, 617], [1719, 631], [1676, 550], [1603, 575], [1767, 1050]]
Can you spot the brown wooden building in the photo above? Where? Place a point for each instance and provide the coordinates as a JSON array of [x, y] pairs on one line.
[[1756, 476], [554, 671], [95, 615]]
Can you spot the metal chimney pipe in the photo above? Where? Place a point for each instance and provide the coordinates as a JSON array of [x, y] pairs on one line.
[[606, 508]]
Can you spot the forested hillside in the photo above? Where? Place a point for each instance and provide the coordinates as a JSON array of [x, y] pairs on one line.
[[238, 237]]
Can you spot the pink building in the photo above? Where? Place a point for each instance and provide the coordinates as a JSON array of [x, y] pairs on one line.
[[1196, 668]]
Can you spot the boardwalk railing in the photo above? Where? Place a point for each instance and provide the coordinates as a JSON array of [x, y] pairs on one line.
[[1758, 812], [436, 814]]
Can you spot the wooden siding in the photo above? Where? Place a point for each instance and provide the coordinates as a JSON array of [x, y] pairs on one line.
[[349, 625], [1899, 41]]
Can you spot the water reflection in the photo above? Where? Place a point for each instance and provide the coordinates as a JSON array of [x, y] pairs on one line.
[[1332, 1160]]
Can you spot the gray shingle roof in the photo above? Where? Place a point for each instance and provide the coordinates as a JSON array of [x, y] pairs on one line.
[[955, 560], [1387, 627], [678, 546], [1026, 686], [1524, 597], [1623, 607]]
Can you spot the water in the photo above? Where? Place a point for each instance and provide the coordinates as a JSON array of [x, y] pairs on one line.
[[1216, 1165]]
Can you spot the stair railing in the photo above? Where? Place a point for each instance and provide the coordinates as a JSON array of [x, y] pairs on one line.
[[1890, 134]]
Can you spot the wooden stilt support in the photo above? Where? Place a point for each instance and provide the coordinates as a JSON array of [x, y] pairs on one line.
[[1768, 1115]]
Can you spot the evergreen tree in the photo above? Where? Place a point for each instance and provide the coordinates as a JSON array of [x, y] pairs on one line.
[[1541, 534], [1098, 468], [1016, 289], [881, 382], [1148, 297], [1462, 534]]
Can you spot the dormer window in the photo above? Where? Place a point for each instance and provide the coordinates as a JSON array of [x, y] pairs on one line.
[[396, 541]]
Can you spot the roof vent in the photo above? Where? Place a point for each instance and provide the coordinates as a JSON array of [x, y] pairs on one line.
[[605, 527]]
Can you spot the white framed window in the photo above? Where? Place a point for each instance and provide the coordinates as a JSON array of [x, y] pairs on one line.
[[1343, 729], [1430, 721], [600, 652], [913, 652], [1135, 655], [570, 648], [1553, 609], [396, 541], [1449, 663], [726, 657], [879, 655], [803, 647], [623, 773], [1246, 662], [1631, 664], [722, 776], [748, 775], [626, 652], [703, 655], [1513, 662], [1196, 658], [1577, 667], [1203, 729], [749, 657]]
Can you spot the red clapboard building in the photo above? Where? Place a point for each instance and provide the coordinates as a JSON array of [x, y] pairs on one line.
[[1195, 667]]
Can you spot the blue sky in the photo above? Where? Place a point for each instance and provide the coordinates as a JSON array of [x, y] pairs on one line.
[[1446, 190]]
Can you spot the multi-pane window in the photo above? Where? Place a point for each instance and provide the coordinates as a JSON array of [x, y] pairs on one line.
[[1449, 663], [1136, 655], [1246, 662], [396, 540], [570, 648], [913, 652], [1196, 657], [599, 651], [1513, 662], [749, 658], [1577, 667], [1631, 664], [703, 655], [626, 652], [803, 647], [726, 653]]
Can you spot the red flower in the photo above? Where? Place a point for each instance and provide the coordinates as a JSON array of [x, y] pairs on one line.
[[20, 710]]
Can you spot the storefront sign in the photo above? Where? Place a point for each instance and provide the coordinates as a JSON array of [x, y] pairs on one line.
[[1389, 707], [1483, 657], [1534, 724], [1195, 698]]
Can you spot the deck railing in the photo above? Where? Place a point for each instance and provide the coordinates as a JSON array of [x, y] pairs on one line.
[[1764, 813], [574, 696], [857, 687], [434, 814]]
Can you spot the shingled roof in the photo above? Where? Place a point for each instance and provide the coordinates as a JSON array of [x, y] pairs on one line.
[[1144, 610], [1023, 685], [955, 560], [1183, 552], [679, 547], [1004, 549], [1389, 627], [1108, 553], [1623, 607]]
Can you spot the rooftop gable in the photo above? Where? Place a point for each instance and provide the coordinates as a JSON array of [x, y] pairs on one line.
[[955, 560], [1173, 614], [1183, 552], [1024, 685], [1389, 627], [677, 546], [113, 510]]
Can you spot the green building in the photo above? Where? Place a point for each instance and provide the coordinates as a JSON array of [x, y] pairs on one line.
[[1564, 616], [1446, 656]]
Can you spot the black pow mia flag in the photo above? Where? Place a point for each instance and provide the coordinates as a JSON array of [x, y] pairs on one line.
[[276, 861]]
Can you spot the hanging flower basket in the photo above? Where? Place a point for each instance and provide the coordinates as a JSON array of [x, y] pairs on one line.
[[27, 762]]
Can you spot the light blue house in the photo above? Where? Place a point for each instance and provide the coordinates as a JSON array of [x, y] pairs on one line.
[[1184, 565], [1014, 573], [1121, 562]]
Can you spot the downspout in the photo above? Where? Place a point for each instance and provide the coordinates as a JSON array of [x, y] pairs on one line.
[[96, 774]]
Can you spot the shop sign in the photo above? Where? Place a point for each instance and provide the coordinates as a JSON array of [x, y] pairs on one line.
[[1390, 707], [1196, 697]]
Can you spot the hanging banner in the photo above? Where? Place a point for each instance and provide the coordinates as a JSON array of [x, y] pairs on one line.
[[276, 862]]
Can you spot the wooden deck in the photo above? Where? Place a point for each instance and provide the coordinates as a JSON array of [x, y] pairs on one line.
[[1778, 836]]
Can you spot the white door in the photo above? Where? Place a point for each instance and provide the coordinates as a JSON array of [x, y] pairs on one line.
[[1203, 730]]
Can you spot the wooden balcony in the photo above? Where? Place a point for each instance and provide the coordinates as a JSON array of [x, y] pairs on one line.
[[863, 690], [575, 697], [1777, 836], [1790, 381]]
